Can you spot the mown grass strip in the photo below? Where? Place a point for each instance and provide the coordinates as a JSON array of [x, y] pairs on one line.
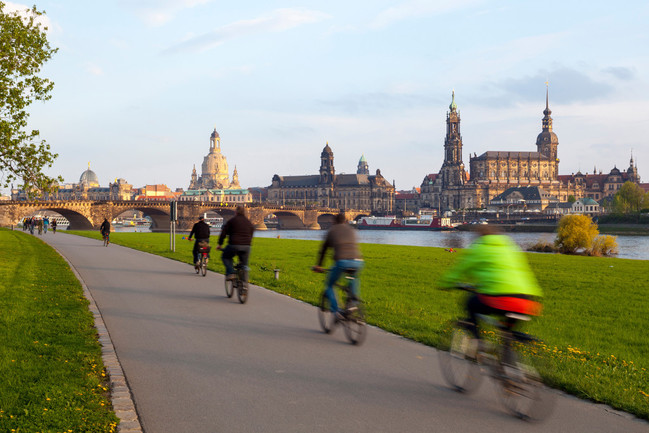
[[51, 372], [594, 322]]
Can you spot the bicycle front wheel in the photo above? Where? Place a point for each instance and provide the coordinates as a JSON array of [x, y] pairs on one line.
[[242, 291], [354, 324], [457, 360], [204, 266], [229, 288], [325, 316]]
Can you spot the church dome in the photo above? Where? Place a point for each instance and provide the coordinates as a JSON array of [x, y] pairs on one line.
[[89, 179], [547, 137], [327, 151], [215, 134]]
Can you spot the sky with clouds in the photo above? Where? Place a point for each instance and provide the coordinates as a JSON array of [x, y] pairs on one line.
[[140, 85]]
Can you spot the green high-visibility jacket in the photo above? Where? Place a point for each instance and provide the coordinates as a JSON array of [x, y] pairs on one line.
[[494, 265]]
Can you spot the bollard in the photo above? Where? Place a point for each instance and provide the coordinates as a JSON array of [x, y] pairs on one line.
[[276, 273]]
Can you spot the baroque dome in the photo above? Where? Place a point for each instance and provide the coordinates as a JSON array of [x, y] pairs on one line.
[[89, 179]]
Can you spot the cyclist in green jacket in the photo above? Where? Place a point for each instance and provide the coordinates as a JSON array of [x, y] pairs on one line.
[[501, 276]]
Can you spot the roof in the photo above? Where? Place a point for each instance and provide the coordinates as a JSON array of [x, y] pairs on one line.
[[527, 193], [588, 201], [492, 154], [299, 181], [352, 179]]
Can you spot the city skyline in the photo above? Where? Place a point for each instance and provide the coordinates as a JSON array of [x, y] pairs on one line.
[[139, 89]]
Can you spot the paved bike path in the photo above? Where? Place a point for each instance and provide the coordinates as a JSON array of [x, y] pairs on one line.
[[197, 362]]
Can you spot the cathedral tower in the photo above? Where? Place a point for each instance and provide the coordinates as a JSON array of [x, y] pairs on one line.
[[452, 170], [547, 141]]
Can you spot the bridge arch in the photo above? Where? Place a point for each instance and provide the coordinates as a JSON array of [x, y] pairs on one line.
[[78, 221], [160, 219]]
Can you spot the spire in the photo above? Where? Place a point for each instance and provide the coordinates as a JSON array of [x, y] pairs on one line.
[[453, 105], [547, 120]]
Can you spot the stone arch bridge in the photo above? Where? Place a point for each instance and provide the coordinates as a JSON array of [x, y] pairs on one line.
[[89, 214]]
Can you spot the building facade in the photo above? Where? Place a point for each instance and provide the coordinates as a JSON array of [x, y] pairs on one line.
[[328, 189], [494, 172]]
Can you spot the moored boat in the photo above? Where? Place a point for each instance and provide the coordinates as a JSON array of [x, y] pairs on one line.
[[413, 223]]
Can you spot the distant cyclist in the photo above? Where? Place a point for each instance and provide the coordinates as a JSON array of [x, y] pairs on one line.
[[342, 238], [104, 229], [239, 231], [201, 232], [501, 276]]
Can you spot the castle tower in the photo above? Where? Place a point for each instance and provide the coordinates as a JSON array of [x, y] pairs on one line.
[[547, 141], [632, 171], [327, 171], [363, 167], [452, 170]]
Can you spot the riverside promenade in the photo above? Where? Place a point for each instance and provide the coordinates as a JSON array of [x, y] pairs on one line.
[[196, 361]]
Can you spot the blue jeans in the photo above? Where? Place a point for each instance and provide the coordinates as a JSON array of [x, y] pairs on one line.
[[335, 272], [243, 251]]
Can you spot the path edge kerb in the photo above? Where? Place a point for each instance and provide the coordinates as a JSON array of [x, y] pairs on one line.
[[120, 392]]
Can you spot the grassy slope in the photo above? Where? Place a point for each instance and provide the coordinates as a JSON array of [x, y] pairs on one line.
[[594, 321], [51, 373]]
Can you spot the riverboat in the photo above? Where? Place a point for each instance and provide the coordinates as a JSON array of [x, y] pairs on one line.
[[413, 223]]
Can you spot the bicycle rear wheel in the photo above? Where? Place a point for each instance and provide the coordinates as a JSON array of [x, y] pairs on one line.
[[105, 241], [457, 360], [325, 316], [522, 391], [354, 324], [204, 265], [229, 288]]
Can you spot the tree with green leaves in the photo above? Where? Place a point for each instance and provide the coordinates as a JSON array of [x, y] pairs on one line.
[[631, 198], [24, 49]]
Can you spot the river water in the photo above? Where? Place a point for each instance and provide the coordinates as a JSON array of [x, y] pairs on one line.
[[630, 247]]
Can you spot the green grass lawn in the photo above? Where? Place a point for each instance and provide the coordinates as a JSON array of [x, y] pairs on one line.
[[594, 321], [51, 373]]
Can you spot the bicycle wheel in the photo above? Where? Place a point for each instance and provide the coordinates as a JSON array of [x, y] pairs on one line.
[[242, 290], [325, 316], [461, 371], [105, 241], [354, 324], [522, 390], [204, 265], [229, 288]]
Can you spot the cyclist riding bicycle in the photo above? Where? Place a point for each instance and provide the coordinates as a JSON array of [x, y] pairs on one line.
[[104, 229], [239, 232], [201, 232], [341, 237], [501, 276]]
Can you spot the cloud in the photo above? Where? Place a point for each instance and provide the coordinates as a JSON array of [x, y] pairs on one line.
[[417, 8], [566, 86], [94, 69], [162, 12], [379, 102], [277, 21], [621, 73]]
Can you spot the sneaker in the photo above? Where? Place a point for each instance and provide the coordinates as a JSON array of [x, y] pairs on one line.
[[339, 316], [231, 277], [197, 265]]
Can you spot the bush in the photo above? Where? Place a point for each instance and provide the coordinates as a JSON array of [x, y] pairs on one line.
[[604, 246], [542, 246], [575, 232]]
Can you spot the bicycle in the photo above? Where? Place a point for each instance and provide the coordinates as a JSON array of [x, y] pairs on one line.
[[105, 238], [352, 317], [507, 356], [203, 251], [240, 283]]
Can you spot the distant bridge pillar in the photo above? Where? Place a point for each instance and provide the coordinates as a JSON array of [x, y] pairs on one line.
[[310, 219], [256, 217]]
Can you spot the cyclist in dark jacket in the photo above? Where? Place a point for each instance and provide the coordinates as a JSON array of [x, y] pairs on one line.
[[239, 231], [201, 232], [104, 229]]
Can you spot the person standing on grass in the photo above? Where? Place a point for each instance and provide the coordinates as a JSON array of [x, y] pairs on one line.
[[342, 238], [239, 231], [201, 232]]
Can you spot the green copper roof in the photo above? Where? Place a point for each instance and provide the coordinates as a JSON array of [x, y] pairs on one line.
[[453, 105], [362, 159]]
